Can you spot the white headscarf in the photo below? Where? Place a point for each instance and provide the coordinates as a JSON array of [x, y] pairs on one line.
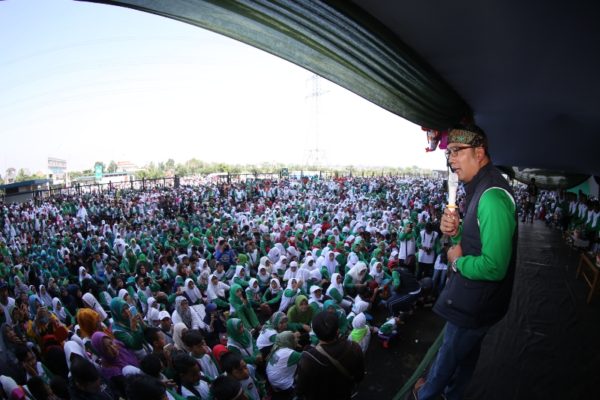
[[71, 347], [377, 276], [45, 298], [193, 294], [280, 265], [61, 314], [9, 386], [263, 261], [335, 285], [314, 298], [287, 301], [263, 278], [185, 316], [291, 250], [251, 285], [359, 305], [77, 338], [274, 254], [360, 321], [177, 333], [91, 301], [306, 265], [215, 291], [238, 272], [152, 315], [352, 258], [356, 270], [289, 274], [203, 266], [331, 265], [83, 274], [276, 290]]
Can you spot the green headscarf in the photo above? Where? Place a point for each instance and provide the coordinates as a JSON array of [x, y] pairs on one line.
[[233, 299], [117, 305], [330, 303], [242, 259], [285, 339], [297, 316], [233, 331], [275, 320]]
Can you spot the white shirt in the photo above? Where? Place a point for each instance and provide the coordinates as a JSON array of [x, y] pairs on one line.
[[7, 307], [439, 265], [279, 373], [427, 240]]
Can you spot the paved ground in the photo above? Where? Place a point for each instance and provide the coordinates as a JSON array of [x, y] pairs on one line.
[[547, 347]]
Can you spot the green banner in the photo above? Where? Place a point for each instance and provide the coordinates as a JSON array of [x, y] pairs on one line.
[[98, 171]]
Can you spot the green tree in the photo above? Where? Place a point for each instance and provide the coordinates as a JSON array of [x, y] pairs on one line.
[[112, 167], [24, 175], [181, 170]]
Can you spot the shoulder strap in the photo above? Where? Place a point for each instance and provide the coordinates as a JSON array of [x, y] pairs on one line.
[[335, 363]]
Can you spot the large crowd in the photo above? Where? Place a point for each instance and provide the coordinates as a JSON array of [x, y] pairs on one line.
[[577, 215], [192, 291]]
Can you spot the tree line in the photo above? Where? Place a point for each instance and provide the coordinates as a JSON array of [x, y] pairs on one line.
[[195, 167]]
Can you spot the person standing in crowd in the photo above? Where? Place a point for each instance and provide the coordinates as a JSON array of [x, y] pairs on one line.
[[532, 194], [335, 362], [482, 264]]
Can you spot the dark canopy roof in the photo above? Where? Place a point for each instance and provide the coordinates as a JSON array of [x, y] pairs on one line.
[[528, 69], [525, 70]]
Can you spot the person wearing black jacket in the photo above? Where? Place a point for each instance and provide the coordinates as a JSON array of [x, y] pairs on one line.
[[406, 291], [333, 368], [86, 382]]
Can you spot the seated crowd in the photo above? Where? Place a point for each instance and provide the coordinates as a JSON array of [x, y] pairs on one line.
[[213, 291]]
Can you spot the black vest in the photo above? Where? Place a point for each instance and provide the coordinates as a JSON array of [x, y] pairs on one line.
[[465, 302]]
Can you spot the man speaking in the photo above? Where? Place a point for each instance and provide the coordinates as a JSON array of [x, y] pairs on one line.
[[481, 264]]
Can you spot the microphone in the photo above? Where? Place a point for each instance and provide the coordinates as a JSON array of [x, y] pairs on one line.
[[452, 189]]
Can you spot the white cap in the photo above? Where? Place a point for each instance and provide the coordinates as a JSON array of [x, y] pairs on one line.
[[163, 314]]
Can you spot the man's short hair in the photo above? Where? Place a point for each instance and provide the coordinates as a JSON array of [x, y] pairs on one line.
[[83, 371], [326, 326], [21, 353], [182, 362], [144, 387], [151, 334], [192, 337], [151, 365], [230, 361], [37, 387], [226, 388]]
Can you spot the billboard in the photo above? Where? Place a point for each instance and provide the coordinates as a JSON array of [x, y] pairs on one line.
[[98, 171], [57, 170]]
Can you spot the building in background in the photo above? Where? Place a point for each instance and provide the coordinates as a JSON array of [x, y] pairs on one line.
[[20, 192], [57, 171], [127, 166]]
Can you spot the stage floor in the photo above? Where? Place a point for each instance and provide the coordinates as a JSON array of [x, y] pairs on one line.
[[547, 346]]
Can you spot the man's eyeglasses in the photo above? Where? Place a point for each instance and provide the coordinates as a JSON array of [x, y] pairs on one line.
[[454, 152]]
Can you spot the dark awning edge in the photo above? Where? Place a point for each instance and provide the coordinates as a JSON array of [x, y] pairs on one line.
[[323, 39], [545, 179]]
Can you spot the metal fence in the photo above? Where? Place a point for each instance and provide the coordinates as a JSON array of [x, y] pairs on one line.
[[220, 178], [242, 177], [97, 188]]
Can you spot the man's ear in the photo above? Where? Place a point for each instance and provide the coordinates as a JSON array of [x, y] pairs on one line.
[[480, 153]]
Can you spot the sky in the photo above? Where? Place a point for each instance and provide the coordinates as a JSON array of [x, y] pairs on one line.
[[86, 82]]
